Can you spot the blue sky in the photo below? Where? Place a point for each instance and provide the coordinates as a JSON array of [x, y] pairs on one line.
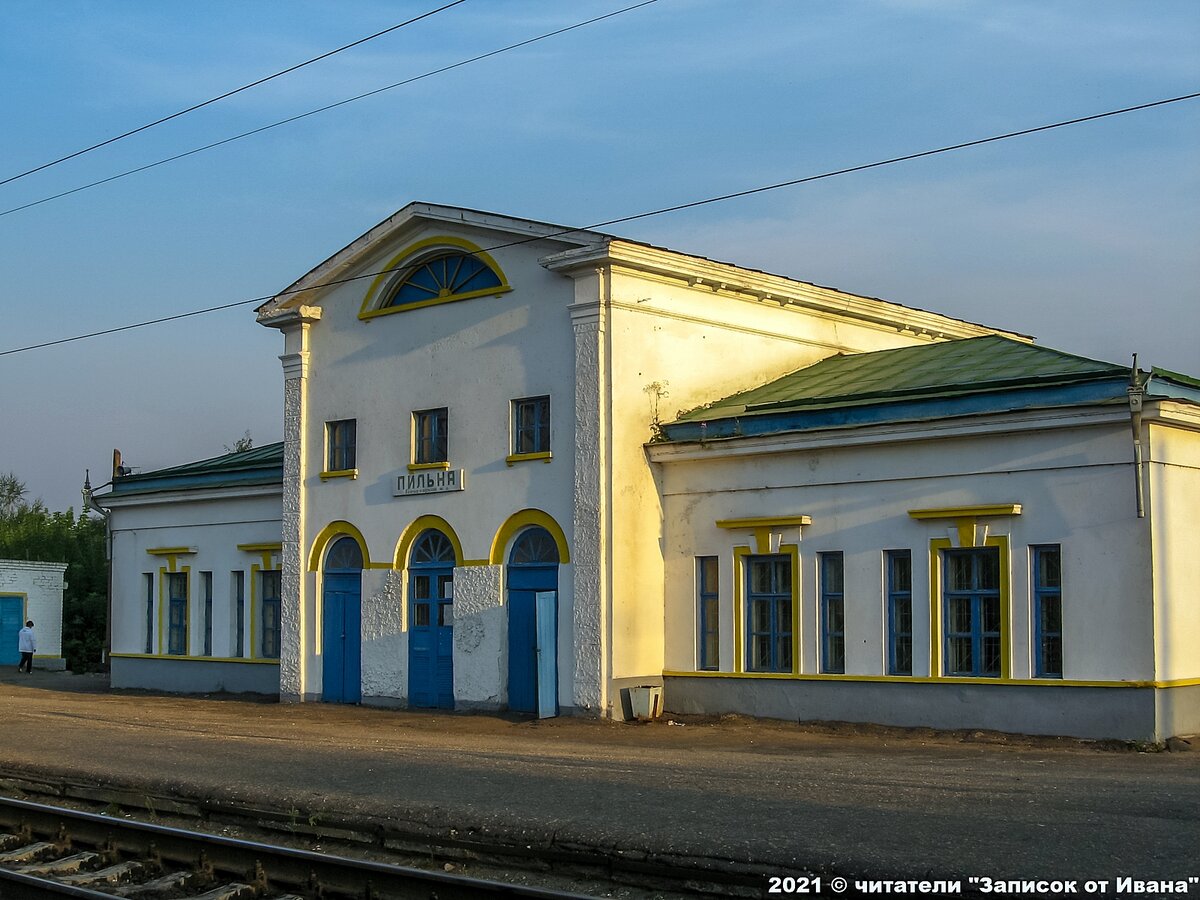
[[1085, 237]]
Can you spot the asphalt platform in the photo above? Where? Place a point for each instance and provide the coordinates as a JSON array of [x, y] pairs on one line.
[[780, 797]]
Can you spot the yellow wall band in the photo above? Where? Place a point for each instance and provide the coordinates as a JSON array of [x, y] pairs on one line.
[[921, 679], [220, 659]]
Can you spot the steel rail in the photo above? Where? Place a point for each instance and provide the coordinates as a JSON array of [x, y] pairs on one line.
[[302, 871]]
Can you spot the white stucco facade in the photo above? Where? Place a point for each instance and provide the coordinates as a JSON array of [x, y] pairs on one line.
[[1014, 482], [179, 539], [617, 335], [34, 591]]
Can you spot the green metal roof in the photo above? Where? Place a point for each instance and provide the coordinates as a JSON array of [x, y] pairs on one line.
[[947, 369], [259, 465]]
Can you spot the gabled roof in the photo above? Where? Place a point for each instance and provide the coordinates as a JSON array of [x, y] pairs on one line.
[[962, 377], [340, 263], [246, 468]]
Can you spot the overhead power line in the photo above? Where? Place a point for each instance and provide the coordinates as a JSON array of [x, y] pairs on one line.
[[227, 94], [631, 218], [313, 112]]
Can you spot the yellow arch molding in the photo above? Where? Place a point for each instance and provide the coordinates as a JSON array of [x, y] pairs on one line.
[[337, 529], [370, 305], [524, 519], [413, 531]]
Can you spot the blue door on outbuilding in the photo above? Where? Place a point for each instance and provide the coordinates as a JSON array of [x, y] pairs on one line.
[[11, 611], [431, 622], [532, 581], [341, 638]]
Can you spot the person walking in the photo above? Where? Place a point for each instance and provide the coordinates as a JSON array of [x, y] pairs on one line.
[[27, 644]]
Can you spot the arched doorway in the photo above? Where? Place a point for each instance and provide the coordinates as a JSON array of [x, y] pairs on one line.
[[431, 621], [532, 580], [341, 626]]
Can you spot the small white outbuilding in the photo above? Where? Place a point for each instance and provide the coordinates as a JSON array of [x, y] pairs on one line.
[[32, 591]]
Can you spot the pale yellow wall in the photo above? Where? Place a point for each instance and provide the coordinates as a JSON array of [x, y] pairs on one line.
[[1174, 502], [704, 345]]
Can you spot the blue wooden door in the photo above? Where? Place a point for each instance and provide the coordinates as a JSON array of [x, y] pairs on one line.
[[431, 638], [11, 611], [341, 640], [532, 639]]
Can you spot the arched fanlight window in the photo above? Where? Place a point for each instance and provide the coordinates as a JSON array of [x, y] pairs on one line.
[[445, 275], [432, 548], [534, 546], [344, 554]]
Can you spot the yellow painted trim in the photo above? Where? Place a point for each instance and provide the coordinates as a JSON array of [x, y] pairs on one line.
[[395, 267], [739, 606], [936, 546], [221, 659], [476, 562], [269, 554], [50, 655], [524, 519], [339, 473], [756, 522], [413, 531], [958, 512], [261, 548], [336, 529], [170, 551], [422, 467], [543, 455], [252, 647], [922, 679]]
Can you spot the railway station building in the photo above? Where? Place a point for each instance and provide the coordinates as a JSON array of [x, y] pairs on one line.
[[526, 467]]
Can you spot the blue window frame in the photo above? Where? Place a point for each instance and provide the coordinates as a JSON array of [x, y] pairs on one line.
[[269, 604], [833, 613], [1047, 610], [149, 580], [445, 275], [899, 612], [430, 428], [206, 593], [341, 443], [769, 613], [239, 613], [177, 601], [972, 614], [708, 613], [531, 425]]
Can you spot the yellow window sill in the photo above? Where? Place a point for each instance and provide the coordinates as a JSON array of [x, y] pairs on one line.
[[544, 456], [423, 467], [340, 473]]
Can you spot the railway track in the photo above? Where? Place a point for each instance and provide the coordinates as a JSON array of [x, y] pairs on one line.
[[49, 852]]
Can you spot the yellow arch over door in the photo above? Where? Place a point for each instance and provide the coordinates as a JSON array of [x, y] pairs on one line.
[[328, 534], [524, 519], [413, 531]]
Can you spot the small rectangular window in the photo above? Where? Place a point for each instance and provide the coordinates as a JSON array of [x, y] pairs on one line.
[[430, 444], [177, 613], [769, 601], [971, 612], [148, 578], [708, 613], [341, 445], [899, 611], [531, 425], [833, 614], [206, 592], [1047, 610], [238, 592], [270, 613]]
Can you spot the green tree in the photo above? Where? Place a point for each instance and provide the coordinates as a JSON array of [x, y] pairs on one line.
[[32, 532], [245, 442]]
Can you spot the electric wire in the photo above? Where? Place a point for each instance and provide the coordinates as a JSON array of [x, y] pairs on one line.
[[227, 94], [313, 112], [621, 219]]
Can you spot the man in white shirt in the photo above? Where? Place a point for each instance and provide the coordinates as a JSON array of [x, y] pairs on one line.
[[27, 644]]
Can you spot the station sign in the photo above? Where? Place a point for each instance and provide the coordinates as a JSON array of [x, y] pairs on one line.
[[429, 481]]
